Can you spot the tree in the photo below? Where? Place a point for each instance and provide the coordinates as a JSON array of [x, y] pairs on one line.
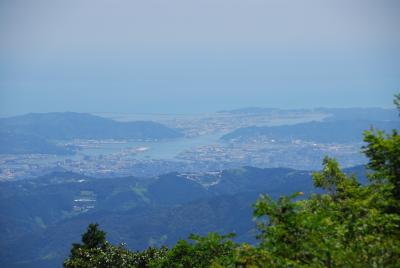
[[94, 238], [383, 151], [96, 251], [396, 101], [210, 250]]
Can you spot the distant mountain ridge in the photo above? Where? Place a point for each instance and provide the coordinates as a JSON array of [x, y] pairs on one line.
[[370, 114], [336, 114], [262, 111], [71, 125], [34, 133], [326, 132]]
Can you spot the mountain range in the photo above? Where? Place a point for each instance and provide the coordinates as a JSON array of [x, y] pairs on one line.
[[331, 131], [36, 133], [40, 218]]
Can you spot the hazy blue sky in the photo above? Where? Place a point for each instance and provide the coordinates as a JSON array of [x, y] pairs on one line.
[[154, 56]]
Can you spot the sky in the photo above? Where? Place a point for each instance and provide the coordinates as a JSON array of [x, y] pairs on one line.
[[186, 56]]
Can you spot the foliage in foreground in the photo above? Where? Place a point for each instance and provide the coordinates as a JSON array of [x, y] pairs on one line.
[[348, 225], [97, 252]]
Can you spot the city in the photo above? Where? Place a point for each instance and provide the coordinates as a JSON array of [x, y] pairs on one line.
[[201, 149]]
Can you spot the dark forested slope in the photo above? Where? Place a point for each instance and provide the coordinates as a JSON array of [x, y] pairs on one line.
[[41, 218]]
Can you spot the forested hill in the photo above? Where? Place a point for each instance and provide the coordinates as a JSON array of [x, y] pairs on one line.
[[71, 125]]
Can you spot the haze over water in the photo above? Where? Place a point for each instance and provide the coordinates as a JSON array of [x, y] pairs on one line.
[[192, 57]]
